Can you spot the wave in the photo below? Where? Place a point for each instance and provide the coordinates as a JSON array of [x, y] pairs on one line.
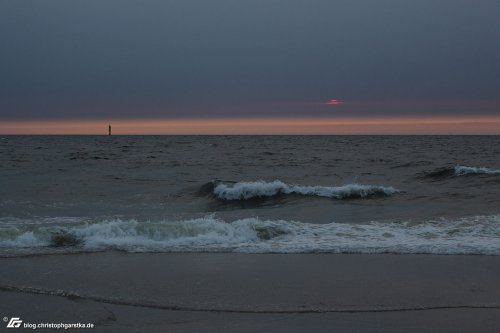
[[260, 189], [465, 170], [474, 235], [192, 235], [460, 170]]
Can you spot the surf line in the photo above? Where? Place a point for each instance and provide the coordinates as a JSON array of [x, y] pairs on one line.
[[144, 304]]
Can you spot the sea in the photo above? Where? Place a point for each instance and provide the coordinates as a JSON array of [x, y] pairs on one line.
[[250, 194]]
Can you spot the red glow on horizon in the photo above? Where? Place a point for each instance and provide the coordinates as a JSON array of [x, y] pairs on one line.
[[333, 102]]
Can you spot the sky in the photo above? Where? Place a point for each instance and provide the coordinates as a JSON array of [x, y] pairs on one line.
[[250, 62]]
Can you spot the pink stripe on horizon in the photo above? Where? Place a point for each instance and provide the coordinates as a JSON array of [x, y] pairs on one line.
[[362, 125]]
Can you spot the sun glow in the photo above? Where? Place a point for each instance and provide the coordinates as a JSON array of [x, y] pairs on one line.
[[333, 102]]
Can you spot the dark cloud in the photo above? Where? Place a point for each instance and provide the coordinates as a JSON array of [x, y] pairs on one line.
[[120, 58]]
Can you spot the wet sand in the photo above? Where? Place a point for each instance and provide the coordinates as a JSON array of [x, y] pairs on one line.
[[249, 293]]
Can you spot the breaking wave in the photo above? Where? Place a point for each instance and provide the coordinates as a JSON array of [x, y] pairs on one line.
[[460, 170], [260, 189], [475, 235], [202, 234], [465, 170]]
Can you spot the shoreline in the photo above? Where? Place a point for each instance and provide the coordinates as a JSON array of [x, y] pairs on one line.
[[232, 287]]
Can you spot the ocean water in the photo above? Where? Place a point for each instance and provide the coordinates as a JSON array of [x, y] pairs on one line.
[[254, 194]]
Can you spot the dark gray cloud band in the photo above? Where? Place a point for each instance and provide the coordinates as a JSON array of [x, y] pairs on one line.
[[134, 59]]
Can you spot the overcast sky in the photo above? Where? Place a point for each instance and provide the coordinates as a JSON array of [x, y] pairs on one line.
[[100, 59]]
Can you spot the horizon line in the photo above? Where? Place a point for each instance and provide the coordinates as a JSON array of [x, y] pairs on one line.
[[382, 125]]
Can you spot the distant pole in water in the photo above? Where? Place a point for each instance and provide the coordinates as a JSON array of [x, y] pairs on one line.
[[109, 129]]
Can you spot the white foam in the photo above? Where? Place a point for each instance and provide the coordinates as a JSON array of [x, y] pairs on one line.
[[465, 170], [24, 239], [248, 190], [473, 235]]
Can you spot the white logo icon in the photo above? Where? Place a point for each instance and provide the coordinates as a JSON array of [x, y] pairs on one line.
[[14, 322]]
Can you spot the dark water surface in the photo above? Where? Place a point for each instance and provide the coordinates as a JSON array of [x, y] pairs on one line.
[[402, 194]]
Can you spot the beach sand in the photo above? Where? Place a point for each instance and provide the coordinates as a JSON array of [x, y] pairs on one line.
[[221, 292]]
